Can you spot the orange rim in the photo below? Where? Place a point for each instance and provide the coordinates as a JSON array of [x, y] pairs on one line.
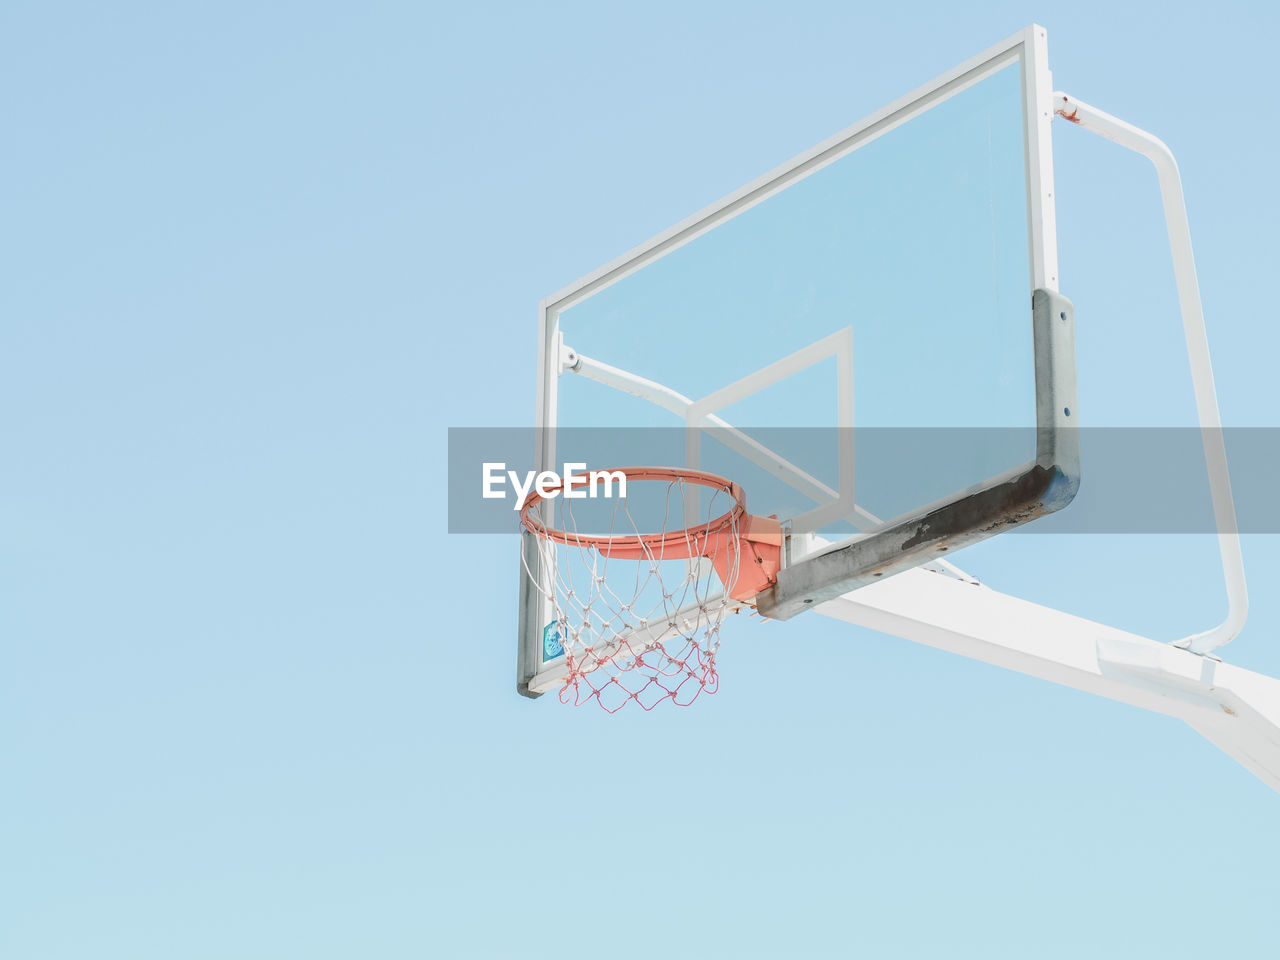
[[684, 543]]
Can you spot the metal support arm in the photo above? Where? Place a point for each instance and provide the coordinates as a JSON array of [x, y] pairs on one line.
[[1184, 268], [1237, 710]]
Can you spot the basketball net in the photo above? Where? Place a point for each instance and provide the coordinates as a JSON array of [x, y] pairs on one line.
[[638, 614]]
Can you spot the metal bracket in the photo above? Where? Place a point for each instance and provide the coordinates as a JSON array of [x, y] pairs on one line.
[[1043, 486]]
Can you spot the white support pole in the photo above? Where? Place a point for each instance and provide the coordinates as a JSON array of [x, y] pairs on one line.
[[1184, 268], [1236, 709]]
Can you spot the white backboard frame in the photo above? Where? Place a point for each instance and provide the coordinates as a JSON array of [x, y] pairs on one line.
[[1029, 47]]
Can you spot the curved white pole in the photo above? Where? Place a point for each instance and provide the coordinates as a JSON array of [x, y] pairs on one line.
[[1184, 268]]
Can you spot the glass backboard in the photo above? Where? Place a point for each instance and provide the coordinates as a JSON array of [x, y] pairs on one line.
[[868, 339]]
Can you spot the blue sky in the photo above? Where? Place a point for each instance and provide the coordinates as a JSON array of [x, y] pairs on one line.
[[255, 702]]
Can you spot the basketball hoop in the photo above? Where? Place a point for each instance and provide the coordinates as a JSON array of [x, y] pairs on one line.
[[638, 613]]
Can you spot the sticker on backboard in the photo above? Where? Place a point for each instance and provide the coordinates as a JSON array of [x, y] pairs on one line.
[[551, 645]]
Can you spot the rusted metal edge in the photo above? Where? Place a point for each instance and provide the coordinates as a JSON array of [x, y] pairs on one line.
[[1036, 489], [1031, 492]]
